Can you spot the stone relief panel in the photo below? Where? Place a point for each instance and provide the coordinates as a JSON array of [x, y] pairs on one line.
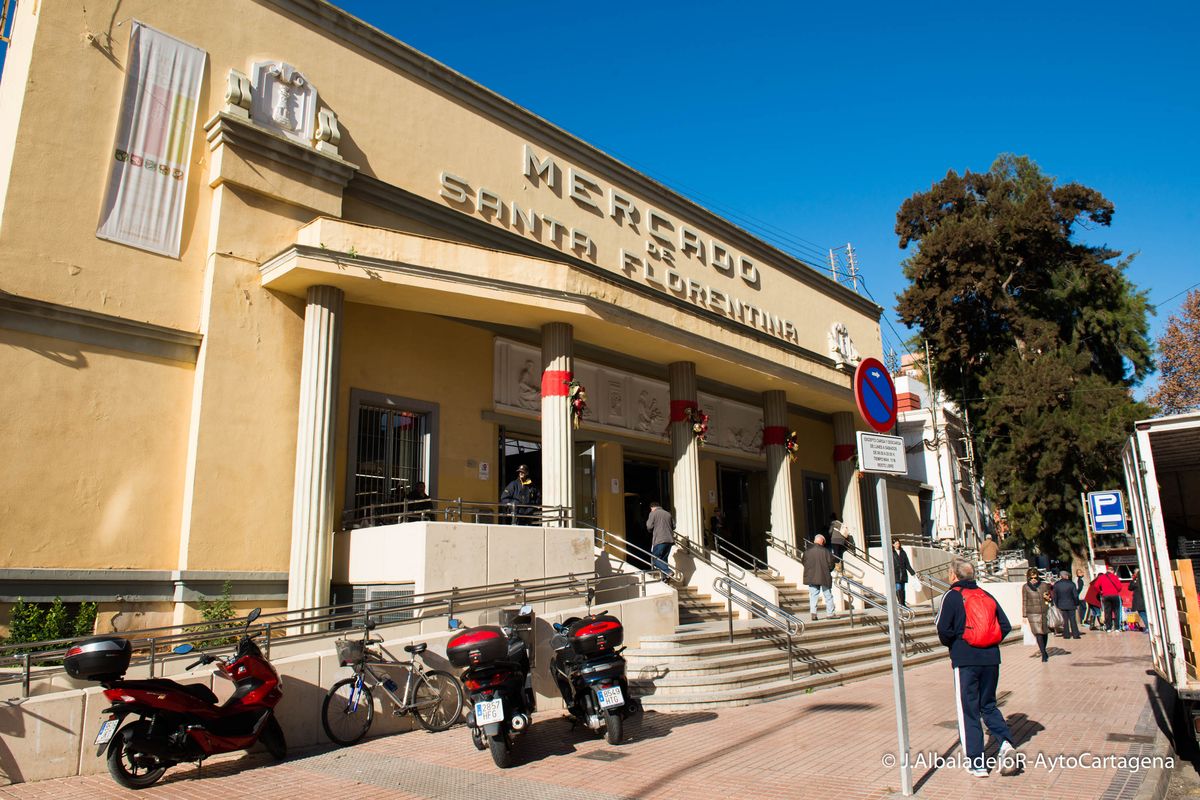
[[621, 400], [650, 409], [283, 99], [733, 425]]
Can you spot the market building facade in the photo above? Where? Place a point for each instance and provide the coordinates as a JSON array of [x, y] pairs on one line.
[[316, 268]]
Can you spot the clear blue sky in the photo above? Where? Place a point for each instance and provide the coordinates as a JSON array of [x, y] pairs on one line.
[[854, 106]]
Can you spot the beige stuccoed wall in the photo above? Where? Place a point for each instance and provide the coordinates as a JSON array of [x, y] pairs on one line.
[[431, 359], [60, 162], [93, 442], [816, 457]]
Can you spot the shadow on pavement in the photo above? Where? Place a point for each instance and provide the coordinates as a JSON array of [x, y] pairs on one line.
[[557, 737], [1173, 720]]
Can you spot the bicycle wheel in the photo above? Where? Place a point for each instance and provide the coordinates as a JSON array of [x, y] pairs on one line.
[[347, 712], [438, 700]]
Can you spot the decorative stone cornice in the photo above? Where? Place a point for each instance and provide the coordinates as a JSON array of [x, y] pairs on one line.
[[90, 327], [323, 16], [227, 130]]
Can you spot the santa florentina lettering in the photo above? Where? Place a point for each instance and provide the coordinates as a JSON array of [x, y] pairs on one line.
[[666, 239]]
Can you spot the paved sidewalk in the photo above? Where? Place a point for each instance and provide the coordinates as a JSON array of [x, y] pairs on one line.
[[1091, 698]]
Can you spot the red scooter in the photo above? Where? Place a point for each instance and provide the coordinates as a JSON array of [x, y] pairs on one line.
[[175, 722]]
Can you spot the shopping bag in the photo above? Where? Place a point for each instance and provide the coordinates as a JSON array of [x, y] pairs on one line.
[[1054, 618], [1027, 636]]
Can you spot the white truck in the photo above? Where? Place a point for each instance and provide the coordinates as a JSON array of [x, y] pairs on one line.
[[1162, 479]]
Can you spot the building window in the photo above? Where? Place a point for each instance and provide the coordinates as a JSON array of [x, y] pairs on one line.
[[392, 448]]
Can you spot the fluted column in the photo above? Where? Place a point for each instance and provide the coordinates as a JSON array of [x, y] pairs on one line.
[[844, 444], [779, 472], [312, 505], [685, 453], [558, 432]]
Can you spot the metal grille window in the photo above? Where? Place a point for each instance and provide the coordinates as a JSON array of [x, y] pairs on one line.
[[392, 455]]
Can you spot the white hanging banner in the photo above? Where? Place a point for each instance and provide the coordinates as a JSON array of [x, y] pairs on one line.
[[143, 206]]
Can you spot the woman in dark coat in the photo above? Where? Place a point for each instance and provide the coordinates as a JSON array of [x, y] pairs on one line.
[[1033, 607], [1139, 600], [901, 569]]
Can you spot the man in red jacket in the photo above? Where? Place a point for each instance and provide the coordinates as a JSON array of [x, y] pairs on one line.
[[1110, 587]]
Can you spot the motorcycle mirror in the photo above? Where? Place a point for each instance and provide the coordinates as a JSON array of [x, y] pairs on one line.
[[525, 610], [253, 615], [454, 624], [369, 624], [183, 648]]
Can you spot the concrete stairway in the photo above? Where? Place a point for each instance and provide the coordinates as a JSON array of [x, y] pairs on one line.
[[698, 667], [696, 608]]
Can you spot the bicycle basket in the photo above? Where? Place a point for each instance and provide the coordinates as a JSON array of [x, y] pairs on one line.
[[349, 651]]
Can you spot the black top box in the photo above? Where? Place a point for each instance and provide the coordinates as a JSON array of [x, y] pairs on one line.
[[100, 658], [477, 647], [592, 635]]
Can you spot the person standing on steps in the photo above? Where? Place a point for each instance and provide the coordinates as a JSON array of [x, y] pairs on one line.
[[818, 576], [989, 551], [662, 537], [972, 625], [1034, 607], [901, 569], [837, 539]]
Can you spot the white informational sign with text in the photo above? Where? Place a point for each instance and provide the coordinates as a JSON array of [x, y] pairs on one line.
[[878, 452]]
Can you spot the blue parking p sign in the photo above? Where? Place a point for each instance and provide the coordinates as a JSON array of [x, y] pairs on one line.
[[1107, 511]]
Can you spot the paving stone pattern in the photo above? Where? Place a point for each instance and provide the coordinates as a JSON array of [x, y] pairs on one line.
[[828, 744]]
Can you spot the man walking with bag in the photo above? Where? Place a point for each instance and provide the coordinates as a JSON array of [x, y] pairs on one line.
[[972, 624], [1066, 598], [818, 576]]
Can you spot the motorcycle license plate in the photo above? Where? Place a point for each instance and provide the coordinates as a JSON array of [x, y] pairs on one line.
[[106, 731], [611, 697], [489, 711]]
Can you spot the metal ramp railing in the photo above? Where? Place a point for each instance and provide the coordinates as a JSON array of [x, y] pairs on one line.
[[151, 645], [629, 553], [761, 608]]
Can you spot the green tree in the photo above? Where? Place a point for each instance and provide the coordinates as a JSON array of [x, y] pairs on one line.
[[1039, 335], [997, 269], [1179, 360]]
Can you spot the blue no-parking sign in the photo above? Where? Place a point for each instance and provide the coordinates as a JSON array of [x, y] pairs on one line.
[[1107, 510], [875, 395]]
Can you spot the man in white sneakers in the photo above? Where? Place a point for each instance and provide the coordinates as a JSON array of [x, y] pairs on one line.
[[972, 624]]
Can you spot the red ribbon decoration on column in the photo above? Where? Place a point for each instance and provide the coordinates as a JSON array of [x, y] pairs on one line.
[[679, 409], [843, 452], [774, 434], [554, 382]]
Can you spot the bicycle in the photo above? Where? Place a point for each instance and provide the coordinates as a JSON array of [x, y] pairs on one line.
[[433, 696]]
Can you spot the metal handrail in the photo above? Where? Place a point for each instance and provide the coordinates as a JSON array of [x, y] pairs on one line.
[[793, 551], [714, 559], [746, 558], [796, 553], [151, 644], [433, 509], [760, 607], [606, 539], [872, 598]]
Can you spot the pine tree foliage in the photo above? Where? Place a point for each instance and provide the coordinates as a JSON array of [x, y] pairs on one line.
[[1040, 335], [1179, 360]]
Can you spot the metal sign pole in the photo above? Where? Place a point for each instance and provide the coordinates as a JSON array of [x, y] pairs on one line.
[[889, 573], [1087, 529]]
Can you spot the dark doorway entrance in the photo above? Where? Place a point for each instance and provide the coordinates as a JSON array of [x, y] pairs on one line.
[[818, 505], [516, 450], [644, 481], [742, 495]]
